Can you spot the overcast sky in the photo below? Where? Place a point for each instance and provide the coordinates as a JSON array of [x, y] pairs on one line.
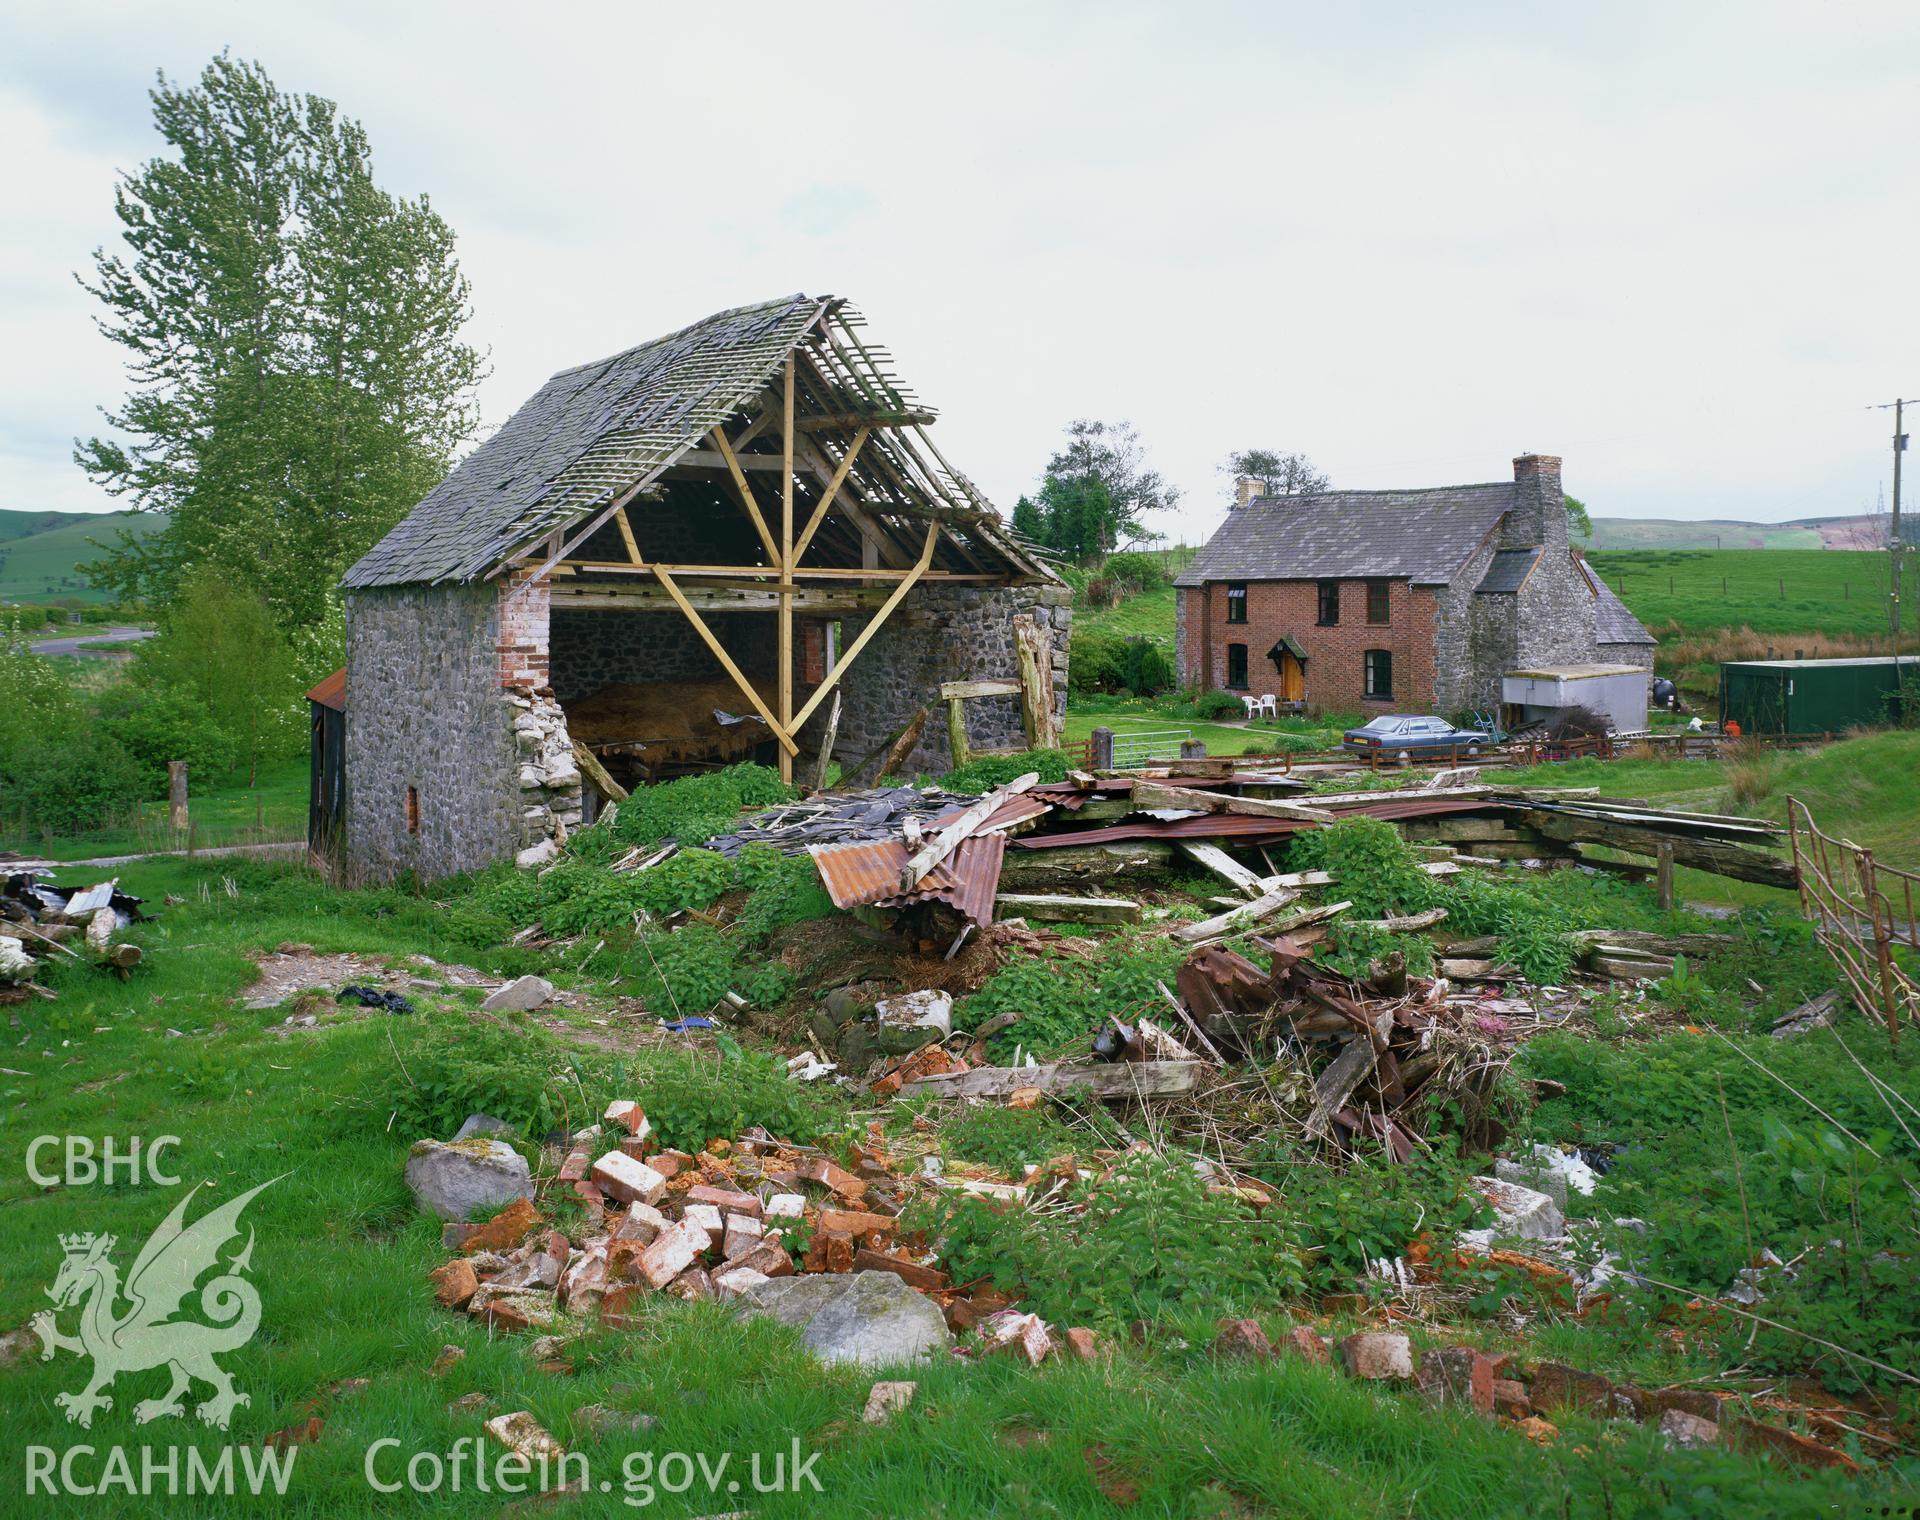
[[1667, 241]]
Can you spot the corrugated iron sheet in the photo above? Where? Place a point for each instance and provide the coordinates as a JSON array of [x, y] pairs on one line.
[[867, 874], [332, 692]]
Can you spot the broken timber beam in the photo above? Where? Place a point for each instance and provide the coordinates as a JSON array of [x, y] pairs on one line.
[[1115, 1081], [1240, 919], [1337, 1081], [1156, 794], [1070, 865], [950, 838], [1716, 856], [1222, 865], [595, 772], [1070, 910]]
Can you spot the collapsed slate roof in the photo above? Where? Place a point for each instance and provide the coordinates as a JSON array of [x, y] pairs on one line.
[[1352, 535], [597, 432]]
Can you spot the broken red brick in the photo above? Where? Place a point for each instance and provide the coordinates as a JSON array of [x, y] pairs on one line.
[[507, 1228], [1379, 1355], [769, 1257], [961, 1316], [1310, 1344], [912, 1273], [726, 1200], [578, 1163], [1026, 1336], [622, 1177], [1081, 1344], [454, 1283], [819, 1169], [1785, 1445], [301, 1433], [850, 1222], [1242, 1338], [1457, 1375], [677, 1248], [1510, 1399], [1556, 1386], [1540, 1432], [626, 1113], [620, 1309], [694, 1283]]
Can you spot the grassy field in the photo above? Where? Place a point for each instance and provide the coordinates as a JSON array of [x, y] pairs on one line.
[[39, 566], [1662, 533], [1158, 1426], [1772, 591], [225, 811]]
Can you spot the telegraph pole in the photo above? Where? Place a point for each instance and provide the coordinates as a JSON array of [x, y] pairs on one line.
[[1895, 545]]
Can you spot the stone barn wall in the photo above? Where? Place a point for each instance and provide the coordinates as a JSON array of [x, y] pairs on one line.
[[592, 649], [946, 633], [442, 686]]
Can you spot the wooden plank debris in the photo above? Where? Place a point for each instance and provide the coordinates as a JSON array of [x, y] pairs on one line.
[[1222, 865], [1051, 908], [1155, 794], [950, 838]]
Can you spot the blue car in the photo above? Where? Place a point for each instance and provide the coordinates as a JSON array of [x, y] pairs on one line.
[[1406, 736]]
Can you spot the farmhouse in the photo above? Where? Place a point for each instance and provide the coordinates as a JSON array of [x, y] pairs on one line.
[[1421, 600], [737, 541]]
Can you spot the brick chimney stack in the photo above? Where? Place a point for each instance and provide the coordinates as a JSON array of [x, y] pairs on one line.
[[1539, 514], [1246, 488]]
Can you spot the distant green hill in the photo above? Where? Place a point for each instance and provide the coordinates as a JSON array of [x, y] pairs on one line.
[[1863, 531], [39, 564]]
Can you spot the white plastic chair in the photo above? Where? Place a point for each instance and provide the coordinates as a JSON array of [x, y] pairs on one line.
[[1267, 707], [1252, 706]]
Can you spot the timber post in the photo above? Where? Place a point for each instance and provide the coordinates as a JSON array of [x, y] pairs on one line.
[[177, 815]]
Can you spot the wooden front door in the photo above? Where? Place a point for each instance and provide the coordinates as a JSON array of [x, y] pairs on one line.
[[1293, 678]]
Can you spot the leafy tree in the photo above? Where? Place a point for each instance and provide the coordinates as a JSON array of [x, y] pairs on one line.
[[219, 644], [1578, 522], [298, 379], [1285, 474], [1096, 493]]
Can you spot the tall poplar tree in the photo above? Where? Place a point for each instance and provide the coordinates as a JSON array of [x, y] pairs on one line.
[[297, 375]]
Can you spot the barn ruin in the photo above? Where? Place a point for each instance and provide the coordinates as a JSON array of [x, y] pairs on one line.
[[738, 541]]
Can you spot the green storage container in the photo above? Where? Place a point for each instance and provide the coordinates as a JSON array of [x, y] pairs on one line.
[[1816, 696]]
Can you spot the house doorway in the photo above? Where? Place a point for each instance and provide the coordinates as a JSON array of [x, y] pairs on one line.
[[1291, 663]]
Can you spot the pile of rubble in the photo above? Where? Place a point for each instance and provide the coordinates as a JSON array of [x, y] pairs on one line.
[[39, 921]]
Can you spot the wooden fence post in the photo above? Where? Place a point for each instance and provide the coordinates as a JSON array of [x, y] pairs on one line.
[[1663, 877], [177, 817]]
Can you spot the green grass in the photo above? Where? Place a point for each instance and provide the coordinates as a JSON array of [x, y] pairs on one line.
[[341, 1258], [1139, 715], [1776, 591], [225, 811], [40, 566]]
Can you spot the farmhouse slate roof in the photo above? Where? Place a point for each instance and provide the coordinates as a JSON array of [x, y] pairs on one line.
[[1612, 622], [1507, 571], [1351, 535], [597, 431]]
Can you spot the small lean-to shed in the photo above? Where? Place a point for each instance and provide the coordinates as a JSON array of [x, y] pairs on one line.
[[327, 777], [736, 541], [1617, 692], [1816, 696]]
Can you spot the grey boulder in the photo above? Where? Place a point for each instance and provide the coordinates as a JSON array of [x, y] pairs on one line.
[[871, 1319], [466, 1177], [1521, 1213], [519, 996]]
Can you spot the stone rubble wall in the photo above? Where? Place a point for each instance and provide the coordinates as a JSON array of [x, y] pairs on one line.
[[604, 648], [947, 633]]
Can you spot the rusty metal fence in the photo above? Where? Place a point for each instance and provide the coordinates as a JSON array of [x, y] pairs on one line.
[[1866, 915]]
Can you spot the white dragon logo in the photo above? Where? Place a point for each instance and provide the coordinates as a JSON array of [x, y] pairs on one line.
[[147, 1335]]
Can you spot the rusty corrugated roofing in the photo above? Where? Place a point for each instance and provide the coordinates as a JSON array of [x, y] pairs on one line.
[[332, 692], [1242, 826], [867, 874]]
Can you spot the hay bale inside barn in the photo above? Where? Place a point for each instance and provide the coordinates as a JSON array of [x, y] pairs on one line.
[[701, 550]]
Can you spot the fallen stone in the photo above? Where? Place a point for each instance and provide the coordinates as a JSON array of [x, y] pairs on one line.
[[520, 996], [512, 1310], [926, 1009], [1535, 1178], [1026, 1336], [866, 1318], [535, 856], [1242, 1338], [464, 1178], [483, 1124], [885, 1400], [521, 1433], [598, 1419], [1540, 1432], [1683, 1429], [454, 1283], [620, 1176], [1786, 1445], [1378, 1355], [1521, 1212], [470, 1403], [547, 1348], [445, 1362], [731, 1282]]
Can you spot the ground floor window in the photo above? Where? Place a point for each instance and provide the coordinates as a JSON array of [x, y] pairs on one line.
[[1378, 673], [1237, 666]]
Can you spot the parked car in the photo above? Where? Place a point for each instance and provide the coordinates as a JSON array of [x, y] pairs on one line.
[[1401, 736]]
